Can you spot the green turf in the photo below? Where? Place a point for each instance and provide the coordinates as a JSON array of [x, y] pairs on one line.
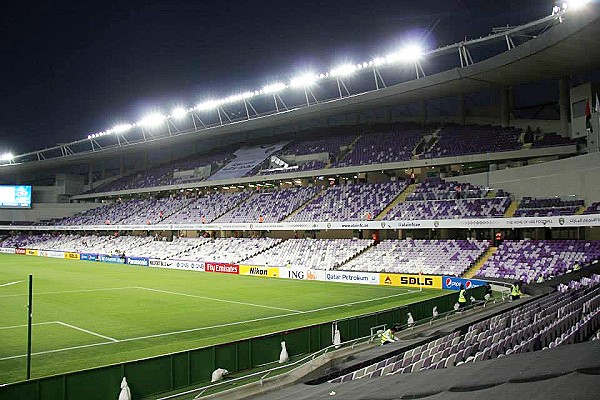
[[150, 311]]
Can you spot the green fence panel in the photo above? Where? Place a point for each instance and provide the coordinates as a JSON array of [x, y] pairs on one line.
[[202, 365], [297, 341], [387, 318], [244, 355], [149, 376], [326, 335], [23, 390], [179, 370], [266, 349], [314, 340], [95, 384], [364, 324], [52, 388], [226, 357]]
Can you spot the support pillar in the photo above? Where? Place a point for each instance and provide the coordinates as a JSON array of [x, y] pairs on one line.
[[504, 107], [563, 103], [462, 110]]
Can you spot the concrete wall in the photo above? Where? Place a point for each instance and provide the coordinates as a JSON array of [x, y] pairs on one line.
[[578, 176], [44, 211]]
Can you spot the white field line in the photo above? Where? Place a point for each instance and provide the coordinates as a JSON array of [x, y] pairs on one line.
[[208, 327], [24, 325], [221, 300], [69, 291], [86, 331], [10, 283]]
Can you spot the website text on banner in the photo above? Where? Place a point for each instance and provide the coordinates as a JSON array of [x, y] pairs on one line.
[[411, 280]]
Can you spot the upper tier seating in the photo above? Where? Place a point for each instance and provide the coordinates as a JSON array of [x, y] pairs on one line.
[[353, 202], [455, 140], [552, 139], [531, 207], [529, 259], [311, 253], [269, 206], [206, 209], [384, 147], [594, 208], [437, 199], [449, 257]]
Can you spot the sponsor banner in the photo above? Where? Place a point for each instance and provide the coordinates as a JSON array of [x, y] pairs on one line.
[[302, 273], [411, 280], [367, 278], [88, 256], [142, 261], [453, 283], [7, 250], [111, 259], [51, 253], [158, 263], [31, 252], [259, 271], [177, 264], [222, 268], [72, 256], [20, 251]]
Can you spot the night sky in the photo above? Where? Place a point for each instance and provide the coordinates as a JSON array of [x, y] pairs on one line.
[[73, 68]]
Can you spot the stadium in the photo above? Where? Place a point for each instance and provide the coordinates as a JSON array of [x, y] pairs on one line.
[[399, 227]]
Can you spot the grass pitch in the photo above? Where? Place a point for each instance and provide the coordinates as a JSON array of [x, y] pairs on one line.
[[89, 314]]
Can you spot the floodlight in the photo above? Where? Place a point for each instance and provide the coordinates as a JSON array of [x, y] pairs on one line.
[[208, 105], [303, 81], [378, 61], [575, 4], [121, 128], [152, 119], [410, 53], [179, 112], [7, 156], [274, 88], [343, 70]]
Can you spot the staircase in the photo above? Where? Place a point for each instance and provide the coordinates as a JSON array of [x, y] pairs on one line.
[[297, 210], [346, 152], [510, 211], [581, 210], [401, 197], [472, 271]]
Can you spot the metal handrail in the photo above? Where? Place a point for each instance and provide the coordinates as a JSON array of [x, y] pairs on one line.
[[263, 374]]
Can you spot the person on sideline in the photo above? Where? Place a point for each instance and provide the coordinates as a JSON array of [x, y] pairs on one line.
[[388, 335], [462, 297]]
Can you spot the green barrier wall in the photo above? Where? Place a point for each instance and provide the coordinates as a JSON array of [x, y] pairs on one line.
[[166, 373]]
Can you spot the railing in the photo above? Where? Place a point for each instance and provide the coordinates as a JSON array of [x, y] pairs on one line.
[[262, 375]]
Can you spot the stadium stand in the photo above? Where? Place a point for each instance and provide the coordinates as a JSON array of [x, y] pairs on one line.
[[269, 206], [352, 202], [593, 208], [527, 260], [455, 140], [207, 208], [312, 253], [450, 257], [551, 139], [530, 207], [558, 319], [230, 250], [382, 147], [436, 199]]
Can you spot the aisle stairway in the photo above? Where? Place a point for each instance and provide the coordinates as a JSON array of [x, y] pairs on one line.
[[472, 271], [510, 211], [401, 197], [297, 210]]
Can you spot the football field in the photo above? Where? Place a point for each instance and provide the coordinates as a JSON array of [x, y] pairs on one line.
[[88, 314]]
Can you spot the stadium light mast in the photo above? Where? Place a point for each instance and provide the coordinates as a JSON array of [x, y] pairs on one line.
[[305, 82], [274, 89]]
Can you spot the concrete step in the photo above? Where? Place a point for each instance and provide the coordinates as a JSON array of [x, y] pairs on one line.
[[472, 271]]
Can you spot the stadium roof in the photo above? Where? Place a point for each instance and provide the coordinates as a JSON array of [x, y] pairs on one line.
[[565, 49]]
